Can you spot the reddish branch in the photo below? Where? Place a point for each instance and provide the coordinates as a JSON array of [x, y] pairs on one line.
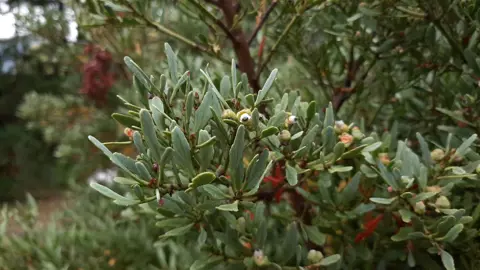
[[239, 41], [262, 21]]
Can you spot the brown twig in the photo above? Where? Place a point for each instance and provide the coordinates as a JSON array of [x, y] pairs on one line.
[[239, 41], [174, 34], [212, 17], [262, 21]]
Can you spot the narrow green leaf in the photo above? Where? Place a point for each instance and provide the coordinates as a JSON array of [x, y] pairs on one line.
[[447, 260], [330, 260], [126, 120], [351, 190], [292, 177], [355, 152], [339, 168], [315, 235], [215, 192], [178, 231], [172, 63], [423, 178], [383, 200], [206, 152], [235, 166], [269, 131], [138, 72], [189, 106], [225, 88], [125, 181], [201, 179], [214, 89], [452, 234], [106, 191], [402, 234], [150, 135], [465, 146], [142, 170], [311, 110], [234, 78], [338, 150], [268, 84], [278, 120], [182, 154], [137, 140], [291, 240], [427, 159], [329, 116], [372, 147], [233, 207], [100, 146], [203, 113], [309, 137]]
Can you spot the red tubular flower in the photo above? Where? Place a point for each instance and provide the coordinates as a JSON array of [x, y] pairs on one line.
[[252, 216], [370, 227], [277, 178]]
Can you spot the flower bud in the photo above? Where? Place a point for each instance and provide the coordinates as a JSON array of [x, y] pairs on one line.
[[346, 139], [314, 256], [340, 127], [128, 132], [229, 114], [442, 202], [357, 134], [259, 258], [240, 224], [419, 208], [437, 154], [291, 119], [435, 189], [383, 157], [284, 136]]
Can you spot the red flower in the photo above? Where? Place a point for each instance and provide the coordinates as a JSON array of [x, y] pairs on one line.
[[370, 227], [277, 178], [252, 216]]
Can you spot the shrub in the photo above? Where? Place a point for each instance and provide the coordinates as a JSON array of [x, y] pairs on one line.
[[90, 234], [281, 184]]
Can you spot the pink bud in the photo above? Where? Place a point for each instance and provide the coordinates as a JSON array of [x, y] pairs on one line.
[[390, 189]]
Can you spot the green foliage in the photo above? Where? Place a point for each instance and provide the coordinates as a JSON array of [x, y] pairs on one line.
[[90, 234], [341, 200], [64, 122]]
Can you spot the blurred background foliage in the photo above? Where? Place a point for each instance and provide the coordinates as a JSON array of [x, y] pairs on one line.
[[406, 66]]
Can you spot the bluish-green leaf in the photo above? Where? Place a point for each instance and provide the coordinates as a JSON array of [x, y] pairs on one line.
[[447, 260], [329, 116], [182, 154], [106, 191], [201, 179], [235, 166], [383, 200], [203, 113], [268, 84], [205, 154], [427, 159], [178, 231], [292, 175], [172, 63], [232, 207], [150, 136], [330, 260], [215, 192]]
